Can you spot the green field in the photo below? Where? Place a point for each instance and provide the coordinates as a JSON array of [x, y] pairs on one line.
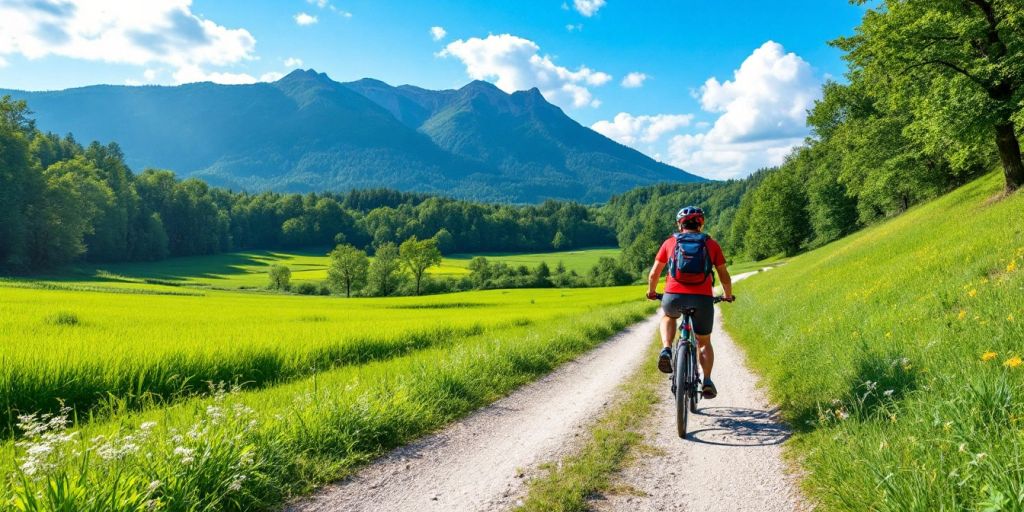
[[325, 383], [895, 354], [248, 269]]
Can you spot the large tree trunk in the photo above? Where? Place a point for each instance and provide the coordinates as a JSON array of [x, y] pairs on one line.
[[1009, 154]]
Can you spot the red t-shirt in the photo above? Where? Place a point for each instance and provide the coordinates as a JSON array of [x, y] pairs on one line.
[[668, 248]]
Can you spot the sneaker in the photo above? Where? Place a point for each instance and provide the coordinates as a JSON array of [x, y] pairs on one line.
[[709, 389], [665, 360]]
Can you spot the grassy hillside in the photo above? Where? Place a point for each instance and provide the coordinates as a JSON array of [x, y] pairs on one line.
[[896, 355], [248, 269]]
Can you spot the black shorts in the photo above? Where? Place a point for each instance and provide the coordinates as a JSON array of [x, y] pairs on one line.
[[673, 305]]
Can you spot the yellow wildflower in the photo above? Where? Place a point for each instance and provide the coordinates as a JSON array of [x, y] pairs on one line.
[[973, 293], [962, 315], [888, 335], [1013, 362], [988, 356], [1012, 266], [1009, 318]]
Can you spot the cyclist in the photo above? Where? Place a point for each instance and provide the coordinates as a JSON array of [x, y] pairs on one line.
[[698, 295]]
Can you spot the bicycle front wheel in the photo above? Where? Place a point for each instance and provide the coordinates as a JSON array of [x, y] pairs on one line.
[[684, 391]]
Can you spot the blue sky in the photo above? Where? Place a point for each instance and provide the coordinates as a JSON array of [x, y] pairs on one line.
[[717, 87]]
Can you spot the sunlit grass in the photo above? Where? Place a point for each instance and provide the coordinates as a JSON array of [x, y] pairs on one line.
[[102, 351], [252, 450], [895, 354]]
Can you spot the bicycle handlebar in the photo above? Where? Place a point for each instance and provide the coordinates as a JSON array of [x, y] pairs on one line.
[[717, 299]]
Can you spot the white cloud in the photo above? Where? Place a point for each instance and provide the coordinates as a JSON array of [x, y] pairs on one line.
[[588, 8], [189, 74], [121, 32], [438, 33], [515, 64], [3, 62], [634, 80], [574, 28], [632, 130], [319, 3], [150, 74], [763, 112], [344, 14], [292, 62], [304, 19]]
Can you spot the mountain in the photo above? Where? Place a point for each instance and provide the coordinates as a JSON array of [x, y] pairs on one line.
[[307, 132]]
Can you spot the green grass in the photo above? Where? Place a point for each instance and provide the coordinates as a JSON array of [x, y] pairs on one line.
[[129, 347], [248, 269], [569, 484], [875, 348], [252, 450]]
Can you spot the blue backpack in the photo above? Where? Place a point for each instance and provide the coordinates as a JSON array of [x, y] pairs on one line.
[[691, 263]]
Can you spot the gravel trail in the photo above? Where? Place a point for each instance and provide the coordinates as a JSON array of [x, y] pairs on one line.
[[483, 461], [732, 460]]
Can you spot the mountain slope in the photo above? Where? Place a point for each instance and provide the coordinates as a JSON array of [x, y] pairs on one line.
[[307, 132], [896, 352]]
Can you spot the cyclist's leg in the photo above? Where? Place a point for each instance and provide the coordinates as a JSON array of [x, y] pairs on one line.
[[703, 324], [671, 309]]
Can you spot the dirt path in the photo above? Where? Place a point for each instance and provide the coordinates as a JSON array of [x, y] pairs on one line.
[[482, 462], [733, 461], [478, 463]]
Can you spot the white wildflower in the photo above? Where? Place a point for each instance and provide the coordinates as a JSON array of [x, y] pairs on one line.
[[888, 392], [147, 426]]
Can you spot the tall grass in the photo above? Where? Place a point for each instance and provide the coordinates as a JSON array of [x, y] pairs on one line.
[[253, 450], [102, 353], [896, 355]]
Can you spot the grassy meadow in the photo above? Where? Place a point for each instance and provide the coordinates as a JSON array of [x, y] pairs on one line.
[[255, 397], [896, 355], [248, 269]]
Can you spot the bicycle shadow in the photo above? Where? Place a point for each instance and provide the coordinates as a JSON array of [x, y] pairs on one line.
[[738, 426]]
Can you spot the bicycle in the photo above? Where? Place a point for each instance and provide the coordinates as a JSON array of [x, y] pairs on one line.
[[685, 370]]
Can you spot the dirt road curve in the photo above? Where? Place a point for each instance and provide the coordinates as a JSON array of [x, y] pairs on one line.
[[478, 464], [732, 463]]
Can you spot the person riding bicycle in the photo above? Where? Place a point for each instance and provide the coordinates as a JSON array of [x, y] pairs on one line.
[[691, 291]]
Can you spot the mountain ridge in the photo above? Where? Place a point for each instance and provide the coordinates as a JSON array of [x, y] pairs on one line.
[[307, 132]]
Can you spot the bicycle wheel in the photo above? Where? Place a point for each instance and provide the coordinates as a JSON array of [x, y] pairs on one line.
[[684, 370], [693, 379]]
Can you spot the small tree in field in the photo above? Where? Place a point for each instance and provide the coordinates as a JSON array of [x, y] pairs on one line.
[[384, 269], [348, 268], [280, 277], [419, 255]]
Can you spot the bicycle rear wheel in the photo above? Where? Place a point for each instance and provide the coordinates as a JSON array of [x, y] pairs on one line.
[[683, 379], [693, 394]]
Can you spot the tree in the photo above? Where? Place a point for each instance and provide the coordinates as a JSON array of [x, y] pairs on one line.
[[778, 218], [956, 63], [280, 277], [560, 241], [383, 271], [608, 272], [73, 197], [445, 241], [347, 269], [419, 255]]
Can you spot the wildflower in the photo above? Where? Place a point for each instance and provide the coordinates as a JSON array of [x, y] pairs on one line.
[[888, 334], [988, 356], [973, 293], [870, 385], [842, 414], [887, 392], [1012, 266], [186, 454], [153, 486], [963, 448], [947, 426], [1009, 318], [147, 426], [1013, 362], [961, 315]]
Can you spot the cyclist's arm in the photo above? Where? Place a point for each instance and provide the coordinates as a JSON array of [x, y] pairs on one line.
[[723, 275], [654, 276]]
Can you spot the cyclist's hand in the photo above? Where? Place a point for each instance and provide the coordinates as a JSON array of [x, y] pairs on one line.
[[652, 295], [729, 298]]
